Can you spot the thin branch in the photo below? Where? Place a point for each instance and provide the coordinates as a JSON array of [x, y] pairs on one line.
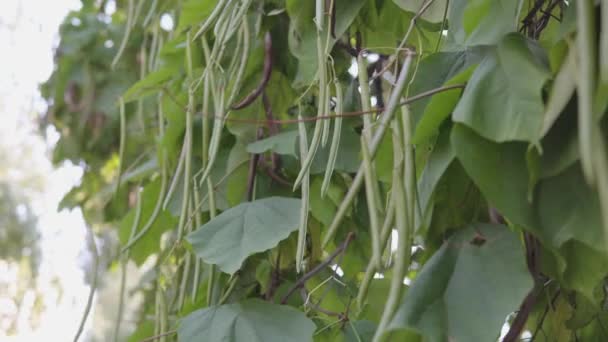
[[155, 337], [542, 319], [319, 267], [315, 306], [533, 260], [407, 101]]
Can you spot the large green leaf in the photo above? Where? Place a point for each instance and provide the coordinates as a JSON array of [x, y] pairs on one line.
[[434, 13], [245, 229], [194, 12], [569, 225], [437, 164], [572, 217], [282, 143], [149, 84], [439, 108], [249, 321], [465, 291], [500, 172], [441, 68], [502, 100], [481, 22]]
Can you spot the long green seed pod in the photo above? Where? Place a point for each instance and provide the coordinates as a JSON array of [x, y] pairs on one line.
[[385, 233], [164, 315], [89, 305], [125, 37], [123, 276], [176, 177], [197, 262], [316, 136], [371, 195], [305, 198], [403, 253], [335, 141], [586, 84], [123, 141], [365, 97], [150, 14], [211, 19], [187, 166], [238, 77], [378, 135], [604, 43]]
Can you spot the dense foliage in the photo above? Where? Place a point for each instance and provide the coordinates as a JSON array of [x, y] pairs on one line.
[[346, 170]]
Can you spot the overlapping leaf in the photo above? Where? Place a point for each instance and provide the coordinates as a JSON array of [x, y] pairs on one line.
[[502, 100], [251, 320], [248, 228], [465, 291]]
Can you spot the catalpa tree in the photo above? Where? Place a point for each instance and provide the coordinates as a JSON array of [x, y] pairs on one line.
[[345, 170]]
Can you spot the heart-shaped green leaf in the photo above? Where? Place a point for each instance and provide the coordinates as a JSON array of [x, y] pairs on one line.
[[465, 291], [249, 321], [248, 228], [502, 100]]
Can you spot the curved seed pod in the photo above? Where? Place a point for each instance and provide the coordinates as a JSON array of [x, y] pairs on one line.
[[586, 83], [305, 197], [365, 97], [93, 288], [125, 37], [316, 136], [372, 198], [267, 71], [401, 219], [371, 269], [125, 259], [387, 116], [238, 76], [123, 138], [211, 19], [326, 123], [176, 178], [335, 141]]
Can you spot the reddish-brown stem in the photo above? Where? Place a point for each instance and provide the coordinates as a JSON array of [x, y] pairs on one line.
[[348, 114], [156, 337], [407, 101], [533, 259], [265, 78]]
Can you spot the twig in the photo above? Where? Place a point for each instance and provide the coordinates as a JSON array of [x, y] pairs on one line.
[[155, 337], [407, 101], [316, 306], [319, 267], [266, 75], [542, 319], [275, 281]]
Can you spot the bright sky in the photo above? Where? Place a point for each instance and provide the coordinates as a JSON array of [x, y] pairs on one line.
[[28, 32]]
